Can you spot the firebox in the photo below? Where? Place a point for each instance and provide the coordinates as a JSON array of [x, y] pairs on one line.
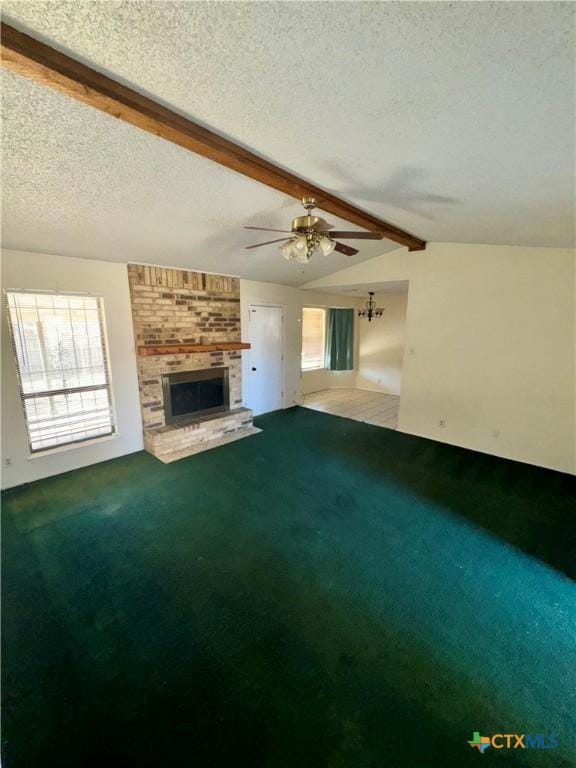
[[190, 394]]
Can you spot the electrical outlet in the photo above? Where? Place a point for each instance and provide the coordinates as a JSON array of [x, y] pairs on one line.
[[8, 462], [412, 350], [441, 423]]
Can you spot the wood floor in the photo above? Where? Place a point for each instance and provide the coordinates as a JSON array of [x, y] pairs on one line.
[[359, 404]]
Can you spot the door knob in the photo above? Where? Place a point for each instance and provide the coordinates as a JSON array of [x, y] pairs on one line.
[[253, 369]]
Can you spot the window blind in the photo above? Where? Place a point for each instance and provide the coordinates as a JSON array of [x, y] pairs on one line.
[[313, 332], [63, 371]]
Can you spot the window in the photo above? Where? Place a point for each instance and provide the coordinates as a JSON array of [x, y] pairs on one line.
[[313, 335], [62, 367]]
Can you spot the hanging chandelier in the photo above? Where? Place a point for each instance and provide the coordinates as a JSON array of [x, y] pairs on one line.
[[370, 309]]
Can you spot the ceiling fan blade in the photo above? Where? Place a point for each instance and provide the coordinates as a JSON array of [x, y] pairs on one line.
[[268, 242], [265, 229], [358, 235], [345, 249]]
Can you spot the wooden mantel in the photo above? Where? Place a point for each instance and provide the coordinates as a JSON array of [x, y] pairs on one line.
[[185, 349]]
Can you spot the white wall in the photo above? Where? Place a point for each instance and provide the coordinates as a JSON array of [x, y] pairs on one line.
[[43, 272], [314, 381], [381, 346], [292, 300], [490, 346]]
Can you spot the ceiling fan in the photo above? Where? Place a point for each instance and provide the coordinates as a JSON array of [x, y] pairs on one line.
[[310, 234]]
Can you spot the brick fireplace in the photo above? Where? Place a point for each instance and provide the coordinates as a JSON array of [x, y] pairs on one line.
[[187, 330]]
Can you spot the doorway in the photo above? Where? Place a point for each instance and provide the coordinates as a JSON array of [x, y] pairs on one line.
[[374, 394], [266, 367]]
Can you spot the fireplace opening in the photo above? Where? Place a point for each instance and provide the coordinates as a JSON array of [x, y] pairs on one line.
[[195, 393]]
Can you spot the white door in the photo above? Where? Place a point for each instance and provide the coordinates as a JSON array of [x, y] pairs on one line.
[[265, 369]]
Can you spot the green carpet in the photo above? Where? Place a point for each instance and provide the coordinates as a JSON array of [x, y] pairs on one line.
[[325, 594]]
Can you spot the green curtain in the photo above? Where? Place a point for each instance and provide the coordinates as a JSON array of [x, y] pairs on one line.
[[340, 340]]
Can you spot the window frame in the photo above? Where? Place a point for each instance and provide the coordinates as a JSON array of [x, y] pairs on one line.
[[90, 439], [322, 365]]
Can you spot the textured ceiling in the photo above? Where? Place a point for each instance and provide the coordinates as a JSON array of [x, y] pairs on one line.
[[77, 182], [453, 120]]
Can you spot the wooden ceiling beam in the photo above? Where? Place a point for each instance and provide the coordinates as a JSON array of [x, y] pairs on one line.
[[43, 64]]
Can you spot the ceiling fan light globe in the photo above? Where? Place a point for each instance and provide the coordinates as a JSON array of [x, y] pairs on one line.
[[327, 245], [302, 257], [286, 250], [299, 243]]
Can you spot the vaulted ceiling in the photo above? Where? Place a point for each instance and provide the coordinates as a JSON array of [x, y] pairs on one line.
[[454, 121]]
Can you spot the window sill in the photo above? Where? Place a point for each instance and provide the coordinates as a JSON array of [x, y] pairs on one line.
[[71, 446], [312, 370]]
